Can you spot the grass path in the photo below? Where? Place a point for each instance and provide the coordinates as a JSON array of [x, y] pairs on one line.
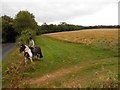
[[63, 72], [62, 60], [55, 75], [65, 64]]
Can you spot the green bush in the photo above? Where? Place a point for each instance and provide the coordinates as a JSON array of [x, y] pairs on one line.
[[25, 35]]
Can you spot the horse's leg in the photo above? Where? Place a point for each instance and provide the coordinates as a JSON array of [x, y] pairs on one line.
[[25, 60], [31, 59], [37, 55]]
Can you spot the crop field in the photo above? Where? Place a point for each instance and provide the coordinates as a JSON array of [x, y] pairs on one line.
[[104, 38], [75, 59]]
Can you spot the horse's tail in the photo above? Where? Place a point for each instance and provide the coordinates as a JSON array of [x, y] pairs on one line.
[[41, 55], [39, 51]]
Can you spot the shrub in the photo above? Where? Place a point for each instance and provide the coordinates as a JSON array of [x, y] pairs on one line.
[[25, 35]]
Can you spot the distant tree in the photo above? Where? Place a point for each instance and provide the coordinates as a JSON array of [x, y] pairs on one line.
[[44, 26], [63, 23], [8, 32], [25, 20], [44, 23]]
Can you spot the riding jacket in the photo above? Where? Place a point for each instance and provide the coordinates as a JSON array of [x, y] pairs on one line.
[[31, 43]]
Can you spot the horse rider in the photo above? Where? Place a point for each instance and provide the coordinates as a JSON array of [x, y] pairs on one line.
[[31, 44]]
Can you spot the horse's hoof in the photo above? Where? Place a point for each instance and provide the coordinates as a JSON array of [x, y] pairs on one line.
[[33, 63]]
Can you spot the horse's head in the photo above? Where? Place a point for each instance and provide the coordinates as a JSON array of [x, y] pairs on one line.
[[22, 48]]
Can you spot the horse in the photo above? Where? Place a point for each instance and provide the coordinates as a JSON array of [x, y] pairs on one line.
[[29, 53]]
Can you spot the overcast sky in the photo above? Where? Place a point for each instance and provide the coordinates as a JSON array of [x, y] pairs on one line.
[[80, 12]]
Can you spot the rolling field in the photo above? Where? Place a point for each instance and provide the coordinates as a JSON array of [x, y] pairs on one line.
[[89, 63], [103, 38]]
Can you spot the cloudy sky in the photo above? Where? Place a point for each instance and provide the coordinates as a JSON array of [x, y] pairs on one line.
[[80, 12]]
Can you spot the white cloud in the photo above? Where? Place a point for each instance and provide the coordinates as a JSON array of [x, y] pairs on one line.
[[57, 10], [106, 16]]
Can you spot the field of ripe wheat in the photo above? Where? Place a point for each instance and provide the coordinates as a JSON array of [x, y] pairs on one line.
[[102, 38]]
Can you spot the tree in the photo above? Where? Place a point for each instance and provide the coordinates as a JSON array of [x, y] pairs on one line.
[[63, 23], [8, 32], [24, 20]]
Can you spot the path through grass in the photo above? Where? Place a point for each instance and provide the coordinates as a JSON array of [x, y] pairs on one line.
[[60, 55]]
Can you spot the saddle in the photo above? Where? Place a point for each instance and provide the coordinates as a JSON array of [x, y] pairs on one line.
[[32, 50]]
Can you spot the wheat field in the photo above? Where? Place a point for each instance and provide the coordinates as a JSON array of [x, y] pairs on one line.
[[104, 38]]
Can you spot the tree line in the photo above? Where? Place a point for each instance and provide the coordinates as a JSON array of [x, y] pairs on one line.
[[23, 26], [63, 26]]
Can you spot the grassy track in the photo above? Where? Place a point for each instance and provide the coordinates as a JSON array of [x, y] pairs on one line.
[[62, 55], [69, 65]]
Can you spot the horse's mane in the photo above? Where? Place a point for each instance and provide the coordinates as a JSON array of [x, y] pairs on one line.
[[27, 48]]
